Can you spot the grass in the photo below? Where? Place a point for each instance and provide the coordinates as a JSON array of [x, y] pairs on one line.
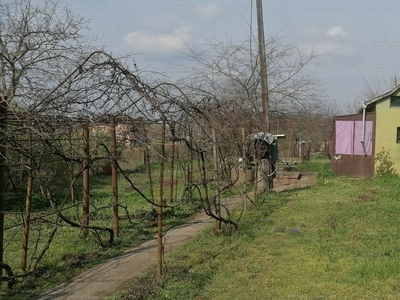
[[337, 240]]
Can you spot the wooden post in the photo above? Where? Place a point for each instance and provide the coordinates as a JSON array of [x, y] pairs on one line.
[[191, 161], [160, 247], [216, 179], [28, 201], [300, 145], [85, 179], [190, 166], [147, 158], [71, 167], [177, 155], [245, 166], [114, 180], [171, 173], [256, 180]]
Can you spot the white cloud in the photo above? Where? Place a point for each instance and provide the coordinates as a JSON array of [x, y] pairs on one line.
[[329, 48], [338, 30], [208, 11], [162, 44]]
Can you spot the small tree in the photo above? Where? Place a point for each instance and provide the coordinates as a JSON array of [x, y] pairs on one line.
[[385, 166]]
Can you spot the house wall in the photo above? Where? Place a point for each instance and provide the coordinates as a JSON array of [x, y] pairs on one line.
[[387, 121]]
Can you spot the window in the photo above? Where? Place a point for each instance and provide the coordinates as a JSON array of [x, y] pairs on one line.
[[394, 101], [398, 135]]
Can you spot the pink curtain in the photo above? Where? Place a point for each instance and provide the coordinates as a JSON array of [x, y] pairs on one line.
[[359, 148], [349, 136], [344, 137]]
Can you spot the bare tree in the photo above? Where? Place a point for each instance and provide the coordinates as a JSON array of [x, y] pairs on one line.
[[230, 72], [39, 43], [370, 88], [226, 85]]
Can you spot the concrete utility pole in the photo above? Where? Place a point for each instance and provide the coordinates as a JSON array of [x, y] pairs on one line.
[[264, 85], [3, 149], [263, 68]]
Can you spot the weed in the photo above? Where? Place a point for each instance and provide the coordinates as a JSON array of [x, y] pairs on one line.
[[331, 255]]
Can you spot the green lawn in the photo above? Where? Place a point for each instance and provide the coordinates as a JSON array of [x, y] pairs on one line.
[[337, 240]]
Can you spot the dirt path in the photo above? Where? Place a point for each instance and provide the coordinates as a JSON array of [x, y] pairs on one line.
[[108, 277], [105, 279]]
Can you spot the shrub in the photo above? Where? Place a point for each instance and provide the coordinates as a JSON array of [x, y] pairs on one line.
[[385, 164]]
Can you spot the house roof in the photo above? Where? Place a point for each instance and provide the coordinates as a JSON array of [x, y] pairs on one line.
[[384, 95]]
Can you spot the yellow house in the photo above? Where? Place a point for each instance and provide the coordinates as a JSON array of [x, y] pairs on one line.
[[358, 138], [387, 128]]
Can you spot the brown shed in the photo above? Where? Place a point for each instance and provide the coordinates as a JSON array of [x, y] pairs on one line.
[[353, 146]]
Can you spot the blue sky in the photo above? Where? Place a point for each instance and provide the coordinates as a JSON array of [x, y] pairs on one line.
[[356, 40]]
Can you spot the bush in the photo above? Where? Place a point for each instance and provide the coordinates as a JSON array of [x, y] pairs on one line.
[[385, 164]]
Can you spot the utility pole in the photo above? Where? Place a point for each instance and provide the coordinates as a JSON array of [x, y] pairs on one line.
[[263, 68], [3, 166], [264, 86]]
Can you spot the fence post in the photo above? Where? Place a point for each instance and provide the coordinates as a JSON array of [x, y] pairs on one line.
[[245, 167], [28, 201], [190, 166], [171, 174], [191, 161], [160, 246], [256, 167], [71, 167], [177, 155], [148, 162], [216, 179], [85, 178], [114, 173]]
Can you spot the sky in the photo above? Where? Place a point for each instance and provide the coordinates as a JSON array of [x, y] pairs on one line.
[[356, 40]]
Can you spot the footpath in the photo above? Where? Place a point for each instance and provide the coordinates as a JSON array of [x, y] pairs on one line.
[[106, 278]]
